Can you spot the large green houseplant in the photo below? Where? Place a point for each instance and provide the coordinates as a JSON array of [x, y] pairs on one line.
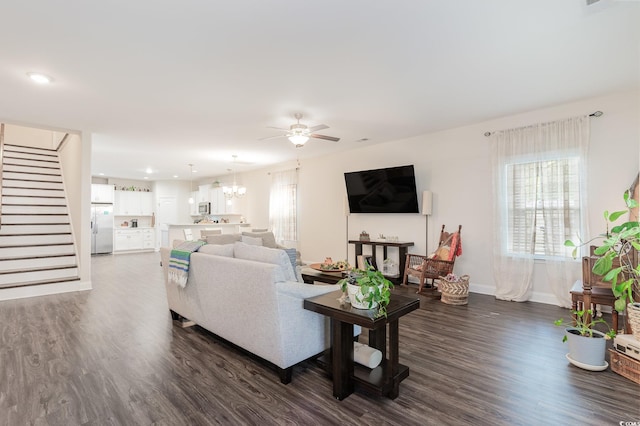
[[618, 257], [374, 289]]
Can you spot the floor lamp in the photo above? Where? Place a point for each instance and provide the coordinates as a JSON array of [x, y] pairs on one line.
[[427, 209]]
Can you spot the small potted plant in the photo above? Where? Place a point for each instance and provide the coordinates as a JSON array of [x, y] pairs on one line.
[[367, 289], [618, 261], [587, 346]]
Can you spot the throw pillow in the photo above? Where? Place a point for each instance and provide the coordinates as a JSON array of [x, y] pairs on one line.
[[268, 239], [225, 250], [292, 253], [266, 255], [223, 239], [252, 241]]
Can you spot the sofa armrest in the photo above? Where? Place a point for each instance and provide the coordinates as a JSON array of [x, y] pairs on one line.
[[304, 291]]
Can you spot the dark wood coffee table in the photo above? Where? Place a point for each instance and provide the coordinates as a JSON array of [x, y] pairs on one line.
[[383, 380], [309, 275]]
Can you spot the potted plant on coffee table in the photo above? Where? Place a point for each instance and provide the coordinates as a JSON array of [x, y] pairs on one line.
[[367, 289], [587, 346]]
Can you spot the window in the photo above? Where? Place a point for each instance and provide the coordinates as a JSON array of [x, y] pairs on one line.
[[283, 205], [543, 206]]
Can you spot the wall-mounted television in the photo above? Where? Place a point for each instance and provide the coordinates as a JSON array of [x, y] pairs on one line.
[[390, 190]]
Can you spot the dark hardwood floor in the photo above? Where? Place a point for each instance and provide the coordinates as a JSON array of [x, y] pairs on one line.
[[112, 356]]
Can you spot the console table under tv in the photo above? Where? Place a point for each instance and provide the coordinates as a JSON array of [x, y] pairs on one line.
[[402, 254]]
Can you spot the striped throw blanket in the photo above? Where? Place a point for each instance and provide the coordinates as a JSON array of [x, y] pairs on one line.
[[179, 261]]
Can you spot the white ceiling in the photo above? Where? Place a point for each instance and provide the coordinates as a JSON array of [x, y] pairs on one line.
[[163, 83]]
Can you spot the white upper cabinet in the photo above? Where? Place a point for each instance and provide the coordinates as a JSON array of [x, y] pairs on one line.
[[101, 193], [133, 203]]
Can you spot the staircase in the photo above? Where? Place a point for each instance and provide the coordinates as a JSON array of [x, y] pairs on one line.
[[36, 241]]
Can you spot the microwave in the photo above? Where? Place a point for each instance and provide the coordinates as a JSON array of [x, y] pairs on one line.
[[204, 208]]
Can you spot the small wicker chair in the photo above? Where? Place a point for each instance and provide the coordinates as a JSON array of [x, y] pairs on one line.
[[427, 267]]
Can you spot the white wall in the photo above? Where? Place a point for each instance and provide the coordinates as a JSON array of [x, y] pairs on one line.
[[455, 165]]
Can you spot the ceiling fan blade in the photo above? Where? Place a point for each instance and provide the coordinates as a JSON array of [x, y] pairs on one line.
[[272, 137], [318, 127], [278, 128], [328, 138]]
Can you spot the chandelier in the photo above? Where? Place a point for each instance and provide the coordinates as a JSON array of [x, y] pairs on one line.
[[234, 190]]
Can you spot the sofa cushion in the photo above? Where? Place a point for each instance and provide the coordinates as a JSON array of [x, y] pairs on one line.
[[267, 255], [268, 239], [225, 250], [252, 241], [223, 239]]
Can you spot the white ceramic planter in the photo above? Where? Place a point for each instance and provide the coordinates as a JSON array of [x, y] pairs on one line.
[[356, 298], [587, 352]]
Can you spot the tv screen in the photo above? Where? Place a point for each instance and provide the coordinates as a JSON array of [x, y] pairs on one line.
[[391, 190]]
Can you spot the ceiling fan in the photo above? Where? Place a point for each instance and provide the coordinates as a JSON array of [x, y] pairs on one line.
[[299, 134]]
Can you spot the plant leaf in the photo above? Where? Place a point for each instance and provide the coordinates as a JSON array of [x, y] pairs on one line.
[[615, 215]]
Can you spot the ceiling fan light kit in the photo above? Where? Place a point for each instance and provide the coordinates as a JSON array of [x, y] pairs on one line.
[[298, 134]]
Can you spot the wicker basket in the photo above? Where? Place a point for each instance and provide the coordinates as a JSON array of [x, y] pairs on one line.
[[625, 365], [633, 313], [454, 292]]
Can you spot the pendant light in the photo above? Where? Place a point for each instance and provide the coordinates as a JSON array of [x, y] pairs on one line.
[[234, 190]]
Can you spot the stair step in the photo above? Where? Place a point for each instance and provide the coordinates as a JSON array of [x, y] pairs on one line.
[[20, 240], [32, 192], [31, 177], [29, 229], [32, 184], [52, 171], [36, 263], [14, 200], [31, 155], [14, 219], [49, 163], [10, 147], [20, 251], [32, 209], [38, 275], [41, 282]]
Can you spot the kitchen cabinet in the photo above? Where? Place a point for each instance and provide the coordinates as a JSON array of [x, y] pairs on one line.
[[134, 239], [128, 239], [204, 193], [218, 201], [148, 239], [101, 193], [133, 203]]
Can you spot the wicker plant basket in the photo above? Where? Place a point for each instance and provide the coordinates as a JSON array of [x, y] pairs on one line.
[[633, 312], [454, 292]]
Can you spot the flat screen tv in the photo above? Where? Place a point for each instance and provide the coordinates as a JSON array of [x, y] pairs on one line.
[[390, 190]]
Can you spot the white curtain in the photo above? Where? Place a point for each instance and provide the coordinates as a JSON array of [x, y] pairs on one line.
[[539, 175], [283, 201]]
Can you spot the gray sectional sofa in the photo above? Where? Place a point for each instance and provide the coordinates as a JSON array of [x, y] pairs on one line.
[[249, 296]]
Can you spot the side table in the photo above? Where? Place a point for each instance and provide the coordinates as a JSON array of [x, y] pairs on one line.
[[383, 380]]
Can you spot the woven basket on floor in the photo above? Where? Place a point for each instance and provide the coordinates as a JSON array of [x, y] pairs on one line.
[[454, 292], [633, 313]]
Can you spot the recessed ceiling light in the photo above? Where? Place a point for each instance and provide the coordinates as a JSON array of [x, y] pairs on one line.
[[148, 171], [39, 78], [146, 177], [175, 176], [101, 174]]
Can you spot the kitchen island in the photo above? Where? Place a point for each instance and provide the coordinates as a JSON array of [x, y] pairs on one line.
[[175, 231]]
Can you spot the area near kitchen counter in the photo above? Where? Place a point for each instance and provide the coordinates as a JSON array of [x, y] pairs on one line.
[[175, 231]]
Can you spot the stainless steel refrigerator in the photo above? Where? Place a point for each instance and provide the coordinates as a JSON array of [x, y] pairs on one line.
[[101, 228]]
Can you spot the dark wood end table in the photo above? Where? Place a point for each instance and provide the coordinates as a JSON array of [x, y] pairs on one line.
[[383, 380]]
